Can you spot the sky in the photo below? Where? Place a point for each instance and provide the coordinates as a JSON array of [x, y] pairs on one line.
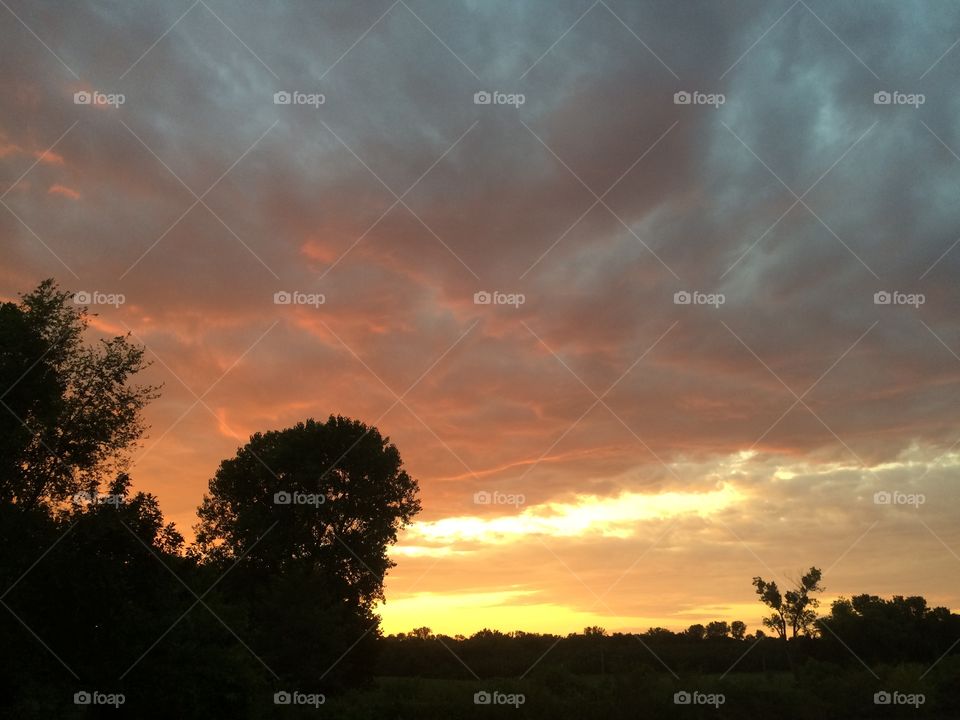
[[717, 241]]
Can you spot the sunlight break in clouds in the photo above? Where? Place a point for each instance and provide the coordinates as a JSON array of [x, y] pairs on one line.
[[588, 514]]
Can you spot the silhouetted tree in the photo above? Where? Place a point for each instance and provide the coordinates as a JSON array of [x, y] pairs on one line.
[[660, 633], [897, 629], [794, 610], [717, 629], [307, 514], [738, 629], [69, 412], [92, 575], [696, 632]]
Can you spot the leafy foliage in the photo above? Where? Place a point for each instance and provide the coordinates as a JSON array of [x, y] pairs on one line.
[[794, 610], [69, 414]]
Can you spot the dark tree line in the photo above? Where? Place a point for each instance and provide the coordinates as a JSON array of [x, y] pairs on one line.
[[865, 628], [896, 630], [879, 631]]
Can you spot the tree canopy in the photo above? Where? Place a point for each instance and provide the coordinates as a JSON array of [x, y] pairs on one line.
[[794, 611], [332, 495], [68, 411]]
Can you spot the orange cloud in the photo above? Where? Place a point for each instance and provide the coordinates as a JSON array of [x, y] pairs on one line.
[[58, 189], [108, 328], [316, 249], [50, 157], [224, 427], [9, 149]]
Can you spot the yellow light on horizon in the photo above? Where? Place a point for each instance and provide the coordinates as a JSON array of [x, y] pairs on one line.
[[588, 514], [507, 610]]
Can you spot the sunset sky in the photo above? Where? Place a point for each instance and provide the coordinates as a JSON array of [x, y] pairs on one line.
[[651, 456]]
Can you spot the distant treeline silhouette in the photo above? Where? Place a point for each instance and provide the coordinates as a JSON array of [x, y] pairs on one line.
[[877, 630]]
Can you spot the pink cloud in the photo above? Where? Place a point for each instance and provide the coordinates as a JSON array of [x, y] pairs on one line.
[[67, 192]]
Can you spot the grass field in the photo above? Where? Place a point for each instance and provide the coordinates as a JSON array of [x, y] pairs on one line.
[[817, 691]]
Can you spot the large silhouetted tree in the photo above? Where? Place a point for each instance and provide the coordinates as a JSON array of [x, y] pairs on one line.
[[332, 496], [90, 572], [68, 410], [307, 515]]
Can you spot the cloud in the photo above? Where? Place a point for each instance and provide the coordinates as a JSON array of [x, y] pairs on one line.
[[598, 199], [64, 191], [585, 515]]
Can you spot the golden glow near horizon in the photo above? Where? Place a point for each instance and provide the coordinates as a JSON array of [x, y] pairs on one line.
[[466, 613], [589, 517], [516, 608], [586, 515]]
